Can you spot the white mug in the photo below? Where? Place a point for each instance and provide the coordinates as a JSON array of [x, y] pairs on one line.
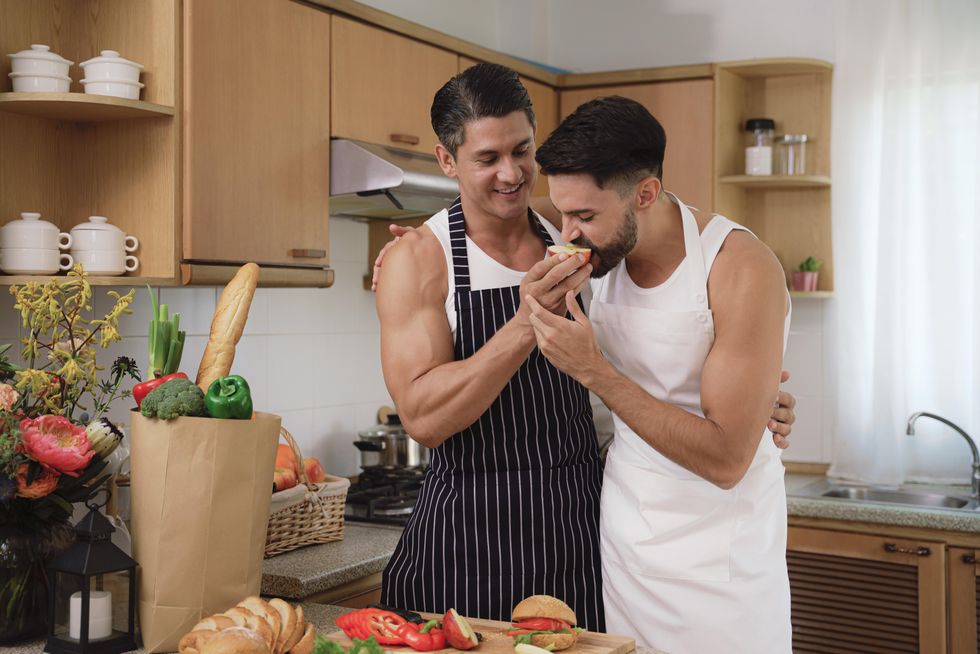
[[32, 232], [98, 234], [34, 261], [106, 262]]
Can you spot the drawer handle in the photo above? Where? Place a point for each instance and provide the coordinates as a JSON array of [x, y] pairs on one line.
[[404, 138], [969, 558], [918, 551], [307, 254]]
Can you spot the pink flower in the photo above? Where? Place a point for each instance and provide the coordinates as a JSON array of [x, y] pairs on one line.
[[56, 443], [8, 397], [45, 482]]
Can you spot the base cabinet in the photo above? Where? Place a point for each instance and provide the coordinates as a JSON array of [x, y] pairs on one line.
[[963, 577], [868, 594]]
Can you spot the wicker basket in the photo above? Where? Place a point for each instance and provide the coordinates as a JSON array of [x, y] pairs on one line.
[[307, 514]]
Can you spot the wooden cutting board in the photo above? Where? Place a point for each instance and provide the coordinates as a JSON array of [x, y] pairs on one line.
[[496, 640]]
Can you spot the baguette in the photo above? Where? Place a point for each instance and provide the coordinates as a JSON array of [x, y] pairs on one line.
[[227, 325]]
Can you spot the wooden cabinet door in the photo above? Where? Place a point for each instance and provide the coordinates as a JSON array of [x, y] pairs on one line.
[[383, 84], [963, 579], [860, 593], [685, 109], [257, 132], [544, 100]]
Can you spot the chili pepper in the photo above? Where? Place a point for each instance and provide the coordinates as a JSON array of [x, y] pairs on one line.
[[428, 638], [142, 389], [229, 397]]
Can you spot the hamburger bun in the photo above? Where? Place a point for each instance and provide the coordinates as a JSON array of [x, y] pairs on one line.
[[544, 606], [557, 641]]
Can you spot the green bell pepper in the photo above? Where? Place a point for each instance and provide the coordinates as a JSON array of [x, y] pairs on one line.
[[229, 397]]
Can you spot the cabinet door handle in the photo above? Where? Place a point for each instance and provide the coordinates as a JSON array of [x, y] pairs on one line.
[[969, 559], [307, 254], [404, 138], [918, 551]]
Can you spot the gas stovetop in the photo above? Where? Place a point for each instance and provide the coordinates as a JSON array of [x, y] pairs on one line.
[[384, 495]]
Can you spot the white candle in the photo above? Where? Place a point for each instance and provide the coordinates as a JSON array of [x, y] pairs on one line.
[[99, 615]]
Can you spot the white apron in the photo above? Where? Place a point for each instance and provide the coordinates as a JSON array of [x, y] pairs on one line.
[[687, 567]]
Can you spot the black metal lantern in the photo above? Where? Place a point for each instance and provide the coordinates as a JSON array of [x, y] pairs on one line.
[[93, 592]]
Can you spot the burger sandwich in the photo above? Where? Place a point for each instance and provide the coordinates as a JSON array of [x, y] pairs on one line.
[[545, 622]]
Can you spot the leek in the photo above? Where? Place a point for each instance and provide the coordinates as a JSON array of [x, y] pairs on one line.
[[166, 340]]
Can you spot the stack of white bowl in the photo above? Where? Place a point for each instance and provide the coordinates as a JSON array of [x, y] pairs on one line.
[[39, 69], [31, 246], [110, 74], [103, 249]]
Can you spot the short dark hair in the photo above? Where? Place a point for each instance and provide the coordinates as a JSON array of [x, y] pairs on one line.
[[481, 91], [614, 139]]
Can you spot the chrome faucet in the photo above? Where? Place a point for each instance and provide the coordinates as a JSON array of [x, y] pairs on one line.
[[910, 430]]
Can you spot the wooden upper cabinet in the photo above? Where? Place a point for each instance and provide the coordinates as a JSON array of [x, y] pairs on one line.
[[686, 110], [383, 84], [257, 132], [544, 100]]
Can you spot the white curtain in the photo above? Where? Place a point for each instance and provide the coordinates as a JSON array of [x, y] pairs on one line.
[[906, 221]]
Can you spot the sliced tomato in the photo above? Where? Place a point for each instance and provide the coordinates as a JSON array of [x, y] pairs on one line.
[[541, 624]]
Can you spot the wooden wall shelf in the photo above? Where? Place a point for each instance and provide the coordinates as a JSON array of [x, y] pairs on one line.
[[776, 181], [94, 280], [80, 107]]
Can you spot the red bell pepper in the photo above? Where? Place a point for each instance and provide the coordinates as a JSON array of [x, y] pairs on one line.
[[141, 390], [428, 638], [383, 625]]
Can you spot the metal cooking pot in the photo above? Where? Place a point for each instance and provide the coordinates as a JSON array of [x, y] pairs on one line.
[[388, 445]]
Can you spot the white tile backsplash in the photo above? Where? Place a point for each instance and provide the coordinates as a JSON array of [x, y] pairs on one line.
[[811, 381], [806, 443]]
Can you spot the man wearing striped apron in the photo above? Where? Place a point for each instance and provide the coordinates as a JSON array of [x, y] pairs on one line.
[[510, 504], [684, 343]]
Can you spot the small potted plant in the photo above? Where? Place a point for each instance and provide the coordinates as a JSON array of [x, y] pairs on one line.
[[805, 279]]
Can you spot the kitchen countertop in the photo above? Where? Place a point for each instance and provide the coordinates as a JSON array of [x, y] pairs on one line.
[[885, 514], [364, 551]]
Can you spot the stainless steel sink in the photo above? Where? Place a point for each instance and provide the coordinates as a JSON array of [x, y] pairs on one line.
[[903, 495]]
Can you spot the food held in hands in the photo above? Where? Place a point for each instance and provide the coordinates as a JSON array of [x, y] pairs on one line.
[[544, 621], [459, 633], [570, 250], [176, 398], [229, 397]]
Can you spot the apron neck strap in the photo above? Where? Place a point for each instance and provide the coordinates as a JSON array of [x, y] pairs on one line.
[[697, 275]]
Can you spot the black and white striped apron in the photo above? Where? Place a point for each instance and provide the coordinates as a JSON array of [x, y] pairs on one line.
[[510, 505]]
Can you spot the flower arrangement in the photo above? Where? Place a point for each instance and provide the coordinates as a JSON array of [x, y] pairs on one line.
[[54, 440]]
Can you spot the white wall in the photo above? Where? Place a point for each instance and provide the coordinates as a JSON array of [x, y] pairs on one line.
[[309, 355]]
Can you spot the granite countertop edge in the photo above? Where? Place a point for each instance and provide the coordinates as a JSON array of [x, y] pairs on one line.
[[902, 516]]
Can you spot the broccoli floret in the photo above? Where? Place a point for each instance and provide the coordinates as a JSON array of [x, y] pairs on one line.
[[178, 397]]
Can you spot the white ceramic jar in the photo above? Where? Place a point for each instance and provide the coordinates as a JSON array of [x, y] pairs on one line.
[[31, 232], [128, 90], [103, 249], [34, 261], [98, 234], [110, 67], [39, 60]]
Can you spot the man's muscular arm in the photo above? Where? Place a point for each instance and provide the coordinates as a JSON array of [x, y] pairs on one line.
[[435, 395]]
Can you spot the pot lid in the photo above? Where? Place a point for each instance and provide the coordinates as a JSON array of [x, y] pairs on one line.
[[96, 224], [392, 427], [42, 52], [110, 57], [30, 223]]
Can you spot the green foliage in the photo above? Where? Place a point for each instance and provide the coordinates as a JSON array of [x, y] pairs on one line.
[[324, 645], [811, 265], [178, 397]]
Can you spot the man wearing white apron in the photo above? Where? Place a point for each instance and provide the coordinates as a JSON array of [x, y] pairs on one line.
[[684, 343]]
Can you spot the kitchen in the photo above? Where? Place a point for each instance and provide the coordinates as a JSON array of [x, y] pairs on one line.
[[317, 348]]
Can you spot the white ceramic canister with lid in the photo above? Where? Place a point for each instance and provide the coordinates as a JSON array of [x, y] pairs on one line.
[[33, 233], [39, 60], [109, 66], [98, 234]]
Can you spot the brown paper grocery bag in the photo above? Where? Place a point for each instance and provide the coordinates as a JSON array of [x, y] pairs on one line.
[[200, 489]]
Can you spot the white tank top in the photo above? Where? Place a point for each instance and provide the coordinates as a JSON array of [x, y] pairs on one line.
[[485, 271]]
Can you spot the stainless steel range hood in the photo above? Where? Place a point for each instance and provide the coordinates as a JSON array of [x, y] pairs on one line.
[[379, 182]]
